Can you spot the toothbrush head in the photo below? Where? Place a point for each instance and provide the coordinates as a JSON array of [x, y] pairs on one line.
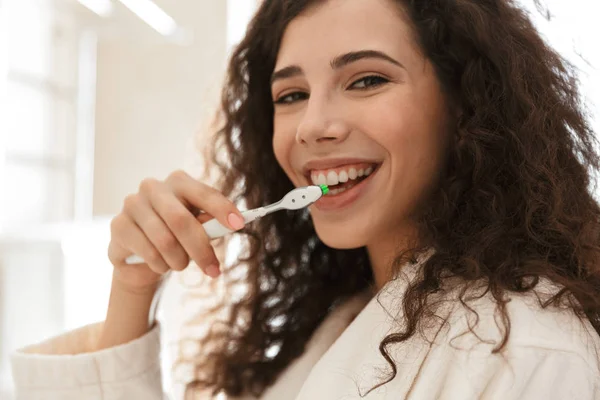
[[302, 197]]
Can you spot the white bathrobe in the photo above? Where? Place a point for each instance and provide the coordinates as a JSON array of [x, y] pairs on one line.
[[551, 355]]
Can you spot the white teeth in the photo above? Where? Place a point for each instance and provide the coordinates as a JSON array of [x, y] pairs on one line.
[[343, 176], [318, 179], [321, 180], [332, 178], [352, 173]]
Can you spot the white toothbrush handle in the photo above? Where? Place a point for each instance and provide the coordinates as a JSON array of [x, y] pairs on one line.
[[213, 229]]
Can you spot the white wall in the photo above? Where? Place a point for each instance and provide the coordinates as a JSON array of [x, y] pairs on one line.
[[151, 100]]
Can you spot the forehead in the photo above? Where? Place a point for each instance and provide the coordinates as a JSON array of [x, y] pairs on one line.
[[337, 26]]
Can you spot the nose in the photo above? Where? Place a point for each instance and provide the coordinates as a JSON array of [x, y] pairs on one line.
[[321, 123]]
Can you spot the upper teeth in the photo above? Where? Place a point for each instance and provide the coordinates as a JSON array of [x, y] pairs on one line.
[[332, 177]]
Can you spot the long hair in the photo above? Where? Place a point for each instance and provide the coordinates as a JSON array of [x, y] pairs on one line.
[[514, 204]]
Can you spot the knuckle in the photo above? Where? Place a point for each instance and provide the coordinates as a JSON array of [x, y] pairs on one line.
[[131, 202], [153, 256], [220, 203], [159, 268], [177, 175], [166, 242], [209, 192], [148, 185], [110, 254], [179, 220], [180, 265], [115, 225]]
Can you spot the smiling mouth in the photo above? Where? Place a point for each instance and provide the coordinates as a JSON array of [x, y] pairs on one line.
[[343, 178]]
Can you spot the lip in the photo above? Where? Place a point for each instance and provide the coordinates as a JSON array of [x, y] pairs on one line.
[[345, 199], [333, 163]]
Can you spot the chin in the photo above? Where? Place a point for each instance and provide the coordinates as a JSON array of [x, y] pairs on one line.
[[340, 238]]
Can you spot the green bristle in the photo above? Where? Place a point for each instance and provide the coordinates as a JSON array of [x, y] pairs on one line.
[[324, 189]]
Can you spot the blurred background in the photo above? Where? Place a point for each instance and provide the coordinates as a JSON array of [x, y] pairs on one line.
[[96, 95]]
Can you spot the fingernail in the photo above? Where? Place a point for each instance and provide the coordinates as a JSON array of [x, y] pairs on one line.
[[213, 271], [235, 221]]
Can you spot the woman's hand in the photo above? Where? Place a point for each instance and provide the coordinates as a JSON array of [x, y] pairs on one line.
[[162, 223]]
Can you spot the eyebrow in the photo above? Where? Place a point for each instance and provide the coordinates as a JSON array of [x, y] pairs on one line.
[[337, 63]]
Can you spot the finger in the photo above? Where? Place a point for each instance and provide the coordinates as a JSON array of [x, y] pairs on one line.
[[157, 231], [136, 243], [203, 217], [196, 194], [187, 230]]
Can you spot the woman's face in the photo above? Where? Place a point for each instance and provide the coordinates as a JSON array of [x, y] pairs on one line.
[[354, 96]]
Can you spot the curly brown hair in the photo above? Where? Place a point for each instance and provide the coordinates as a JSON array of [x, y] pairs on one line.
[[515, 203]]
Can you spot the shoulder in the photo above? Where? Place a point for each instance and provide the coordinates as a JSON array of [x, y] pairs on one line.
[[534, 328]]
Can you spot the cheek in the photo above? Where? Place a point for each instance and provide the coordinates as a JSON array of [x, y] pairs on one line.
[[283, 144], [411, 126], [409, 129], [392, 125]]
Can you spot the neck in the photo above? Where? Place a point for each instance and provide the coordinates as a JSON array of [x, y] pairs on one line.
[[383, 252]]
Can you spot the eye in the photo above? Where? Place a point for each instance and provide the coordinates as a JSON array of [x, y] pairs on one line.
[[367, 82], [291, 98]]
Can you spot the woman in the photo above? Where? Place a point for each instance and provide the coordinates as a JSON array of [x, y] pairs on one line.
[[456, 259]]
